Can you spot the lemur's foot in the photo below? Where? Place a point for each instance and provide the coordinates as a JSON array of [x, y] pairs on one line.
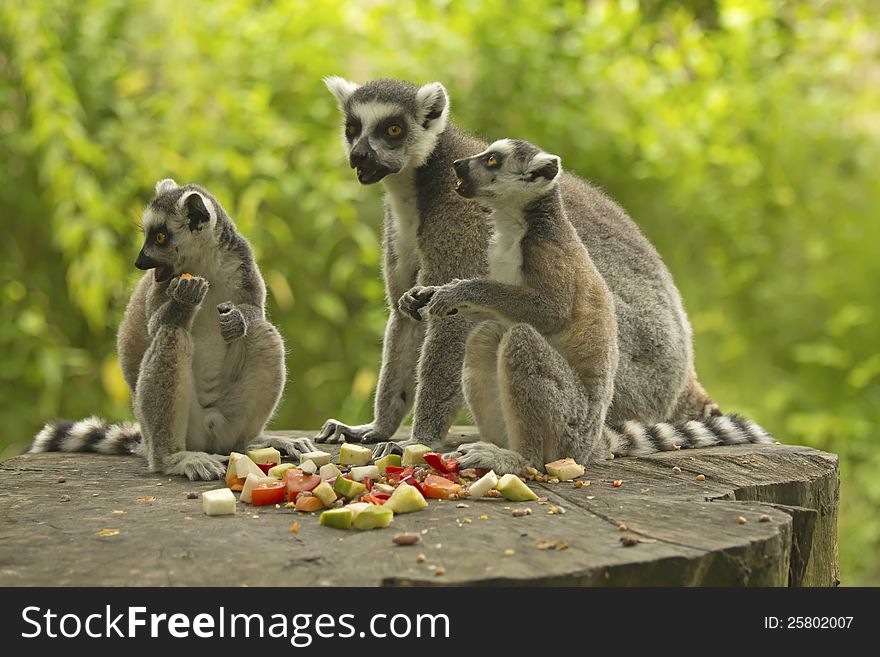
[[188, 291], [446, 301], [232, 324], [415, 299], [291, 446], [488, 456], [392, 447], [196, 465], [335, 431]]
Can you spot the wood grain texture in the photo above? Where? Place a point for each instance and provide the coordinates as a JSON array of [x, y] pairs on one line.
[[687, 530]]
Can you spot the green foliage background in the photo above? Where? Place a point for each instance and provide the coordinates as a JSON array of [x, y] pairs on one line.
[[741, 134]]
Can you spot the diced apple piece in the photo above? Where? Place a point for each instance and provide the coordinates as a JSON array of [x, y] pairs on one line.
[[308, 467], [405, 499], [565, 469], [264, 455], [243, 465], [483, 485], [385, 461], [318, 458], [219, 502], [325, 493], [250, 483], [364, 471], [412, 454], [373, 517], [308, 503], [351, 454], [383, 488], [348, 487], [514, 489], [336, 518], [279, 470], [329, 471], [356, 508]]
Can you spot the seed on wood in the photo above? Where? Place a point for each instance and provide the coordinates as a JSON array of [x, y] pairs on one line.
[[520, 512], [294, 528], [578, 484], [617, 483], [421, 558], [676, 447], [62, 479], [764, 518], [440, 570], [64, 498], [701, 477], [622, 528], [629, 541], [676, 470], [556, 510], [484, 517], [462, 506], [508, 552], [95, 494], [159, 484], [553, 480], [407, 538], [742, 520], [192, 495]]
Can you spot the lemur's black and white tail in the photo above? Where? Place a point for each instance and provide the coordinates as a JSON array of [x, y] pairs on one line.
[[637, 439], [90, 435]]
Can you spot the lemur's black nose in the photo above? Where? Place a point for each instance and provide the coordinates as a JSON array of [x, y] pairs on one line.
[[145, 262], [360, 155]]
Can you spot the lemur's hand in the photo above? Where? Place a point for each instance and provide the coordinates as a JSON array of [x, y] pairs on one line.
[[188, 291], [415, 299], [446, 300], [232, 323]]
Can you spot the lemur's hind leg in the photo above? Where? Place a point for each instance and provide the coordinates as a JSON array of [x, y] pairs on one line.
[[694, 402], [164, 386], [546, 411], [480, 381]]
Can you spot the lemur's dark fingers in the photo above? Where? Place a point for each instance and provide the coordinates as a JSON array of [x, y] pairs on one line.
[[331, 432], [225, 307], [386, 448]]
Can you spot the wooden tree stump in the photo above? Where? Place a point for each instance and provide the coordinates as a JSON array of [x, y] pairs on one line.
[[112, 523]]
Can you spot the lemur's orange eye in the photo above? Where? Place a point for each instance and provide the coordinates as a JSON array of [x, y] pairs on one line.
[[393, 130], [351, 130], [160, 238], [491, 161]]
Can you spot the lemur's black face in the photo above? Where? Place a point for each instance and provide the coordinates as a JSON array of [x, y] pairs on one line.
[[389, 125], [509, 171], [177, 230]]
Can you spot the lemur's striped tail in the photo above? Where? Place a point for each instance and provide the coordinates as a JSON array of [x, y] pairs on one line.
[[637, 439], [90, 435]]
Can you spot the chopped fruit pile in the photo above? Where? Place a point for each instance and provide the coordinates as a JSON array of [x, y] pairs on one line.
[[355, 492]]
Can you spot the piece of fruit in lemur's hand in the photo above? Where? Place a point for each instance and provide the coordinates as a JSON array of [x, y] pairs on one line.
[[204, 382]]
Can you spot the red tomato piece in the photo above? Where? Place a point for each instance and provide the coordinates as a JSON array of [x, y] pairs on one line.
[[270, 492], [372, 499], [298, 481], [442, 466], [368, 482], [265, 467], [438, 487], [381, 496], [412, 481]]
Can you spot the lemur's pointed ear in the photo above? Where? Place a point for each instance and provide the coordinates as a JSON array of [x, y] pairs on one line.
[[545, 165], [432, 103], [196, 211], [165, 185], [341, 88]]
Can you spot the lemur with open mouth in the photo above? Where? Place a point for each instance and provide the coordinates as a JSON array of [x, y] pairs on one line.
[[539, 370], [205, 367]]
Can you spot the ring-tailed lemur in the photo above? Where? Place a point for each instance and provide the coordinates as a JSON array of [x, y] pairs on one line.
[[400, 133], [539, 374], [205, 367]]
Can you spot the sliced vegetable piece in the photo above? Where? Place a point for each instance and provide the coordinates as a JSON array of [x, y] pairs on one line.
[[297, 482], [410, 480], [364, 471], [219, 502], [268, 465], [325, 493], [318, 458], [250, 483], [308, 503], [412, 454], [308, 467], [483, 485], [373, 517], [238, 468], [279, 470], [351, 454], [265, 455], [356, 508], [336, 518], [514, 489], [437, 487], [270, 492], [348, 487], [406, 499], [329, 471], [565, 469], [385, 461], [437, 462]]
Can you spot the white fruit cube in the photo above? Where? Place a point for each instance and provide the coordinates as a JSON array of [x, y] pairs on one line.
[[219, 502], [351, 454], [318, 458]]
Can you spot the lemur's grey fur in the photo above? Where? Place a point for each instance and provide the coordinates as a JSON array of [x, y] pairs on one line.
[[205, 367], [432, 236], [539, 373]]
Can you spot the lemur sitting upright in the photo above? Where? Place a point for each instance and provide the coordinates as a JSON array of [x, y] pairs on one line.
[[205, 367], [539, 373]]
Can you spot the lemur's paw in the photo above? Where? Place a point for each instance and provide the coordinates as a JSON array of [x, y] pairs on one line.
[[391, 447], [291, 446], [188, 291], [196, 466], [488, 456], [445, 301], [414, 300], [335, 431], [232, 324]]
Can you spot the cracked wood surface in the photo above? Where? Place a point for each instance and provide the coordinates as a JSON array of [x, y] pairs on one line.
[[688, 531]]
